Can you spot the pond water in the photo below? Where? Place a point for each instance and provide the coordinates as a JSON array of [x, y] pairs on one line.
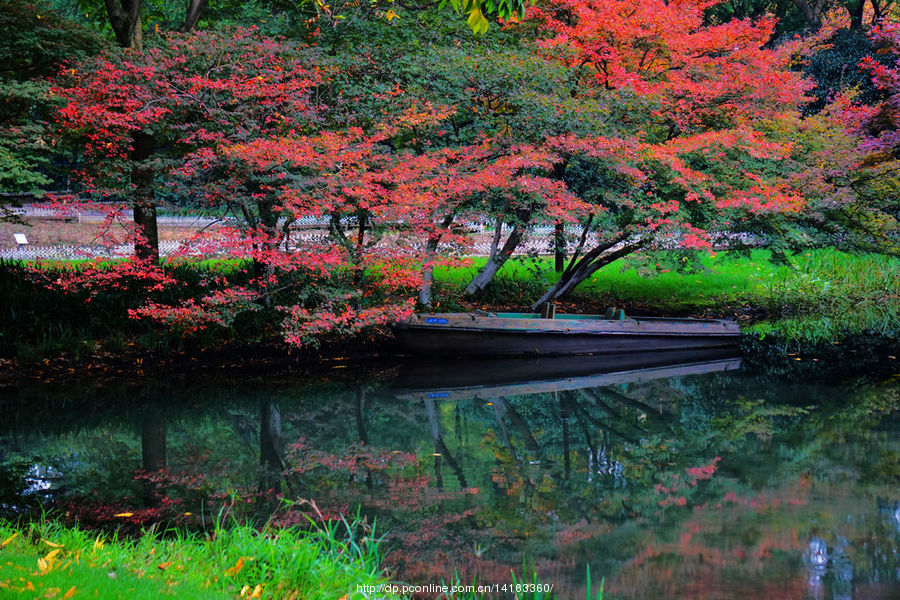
[[670, 475]]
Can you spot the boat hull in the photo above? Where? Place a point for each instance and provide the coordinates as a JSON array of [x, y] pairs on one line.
[[485, 378], [467, 335]]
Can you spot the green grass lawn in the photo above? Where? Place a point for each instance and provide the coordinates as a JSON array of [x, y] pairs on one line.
[[819, 295], [48, 560]]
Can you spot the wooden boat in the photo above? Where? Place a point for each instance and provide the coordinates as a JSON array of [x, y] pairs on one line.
[[486, 378], [530, 334]]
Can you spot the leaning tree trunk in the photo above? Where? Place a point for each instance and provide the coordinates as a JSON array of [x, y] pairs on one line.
[[505, 410], [495, 262], [441, 451], [581, 269], [499, 256]]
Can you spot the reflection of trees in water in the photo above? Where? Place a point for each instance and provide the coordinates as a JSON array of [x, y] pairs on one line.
[[572, 474], [271, 458], [153, 447], [774, 450], [441, 451]]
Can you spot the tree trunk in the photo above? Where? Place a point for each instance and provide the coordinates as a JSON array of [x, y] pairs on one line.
[[559, 247], [194, 10], [811, 12], [506, 410], [146, 244], [125, 19], [425, 293], [498, 258], [855, 8], [441, 451], [153, 449], [271, 452], [564, 420], [361, 414], [581, 269], [153, 440]]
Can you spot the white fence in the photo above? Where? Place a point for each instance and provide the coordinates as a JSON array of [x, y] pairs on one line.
[[481, 247], [79, 252]]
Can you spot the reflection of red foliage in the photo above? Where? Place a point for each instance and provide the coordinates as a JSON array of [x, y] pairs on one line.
[[703, 472], [720, 549], [581, 531], [355, 460], [694, 474]]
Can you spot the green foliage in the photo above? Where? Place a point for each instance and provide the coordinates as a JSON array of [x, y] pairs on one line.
[[828, 295], [35, 42], [790, 19], [835, 69]]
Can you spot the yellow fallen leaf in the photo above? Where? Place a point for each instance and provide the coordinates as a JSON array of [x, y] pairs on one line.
[[257, 591], [29, 586], [9, 539], [98, 543], [42, 564], [51, 544], [70, 593], [123, 515], [163, 566], [51, 555], [232, 571], [245, 589]]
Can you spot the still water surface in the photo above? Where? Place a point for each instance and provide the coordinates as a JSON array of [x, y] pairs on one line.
[[671, 475]]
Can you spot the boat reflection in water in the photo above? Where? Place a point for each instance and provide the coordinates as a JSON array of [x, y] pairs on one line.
[[460, 379]]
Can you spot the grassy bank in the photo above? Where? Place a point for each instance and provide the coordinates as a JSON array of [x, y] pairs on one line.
[[819, 296], [49, 560]]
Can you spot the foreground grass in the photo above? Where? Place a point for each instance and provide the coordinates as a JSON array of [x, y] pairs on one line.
[[819, 296], [49, 560]]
